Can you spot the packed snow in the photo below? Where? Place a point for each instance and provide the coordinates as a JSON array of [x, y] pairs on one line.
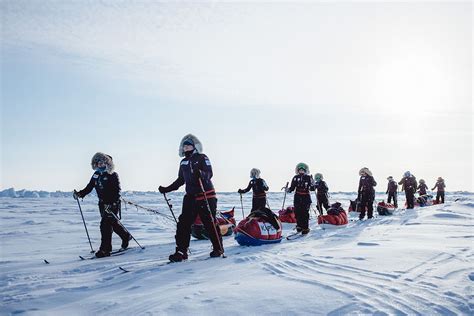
[[415, 262]]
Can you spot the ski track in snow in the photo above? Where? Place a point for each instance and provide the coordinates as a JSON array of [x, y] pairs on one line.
[[416, 262]]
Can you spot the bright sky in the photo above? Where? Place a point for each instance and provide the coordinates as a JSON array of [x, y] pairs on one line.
[[338, 85]]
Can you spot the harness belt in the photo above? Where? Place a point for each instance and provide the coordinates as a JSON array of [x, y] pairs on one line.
[[302, 192], [209, 194]]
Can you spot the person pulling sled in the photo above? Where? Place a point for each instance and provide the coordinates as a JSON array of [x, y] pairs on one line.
[[107, 185], [195, 171], [366, 193], [302, 183], [392, 190], [422, 187], [259, 188], [409, 184], [440, 190], [322, 193]]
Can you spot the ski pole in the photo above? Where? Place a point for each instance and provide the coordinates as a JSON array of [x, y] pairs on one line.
[[170, 206], [268, 205], [318, 206], [212, 217], [118, 220], [284, 197], [87, 232], [242, 205]]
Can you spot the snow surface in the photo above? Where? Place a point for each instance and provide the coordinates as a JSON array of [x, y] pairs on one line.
[[414, 262]]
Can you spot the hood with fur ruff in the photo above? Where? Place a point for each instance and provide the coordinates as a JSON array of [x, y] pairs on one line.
[[107, 159], [190, 137]]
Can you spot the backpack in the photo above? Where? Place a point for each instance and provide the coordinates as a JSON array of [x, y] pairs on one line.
[[267, 215], [335, 209]]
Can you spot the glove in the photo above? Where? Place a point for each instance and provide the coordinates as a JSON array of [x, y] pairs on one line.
[[240, 191], [162, 189], [75, 195]]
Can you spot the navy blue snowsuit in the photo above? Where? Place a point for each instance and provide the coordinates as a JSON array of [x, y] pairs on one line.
[[322, 196], [366, 196], [440, 193], [409, 184], [259, 188], [193, 167], [392, 188], [107, 187], [422, 187], [303, 184]]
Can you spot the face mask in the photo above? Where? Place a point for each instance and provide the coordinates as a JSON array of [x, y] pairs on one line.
[[101, 169], [189, 153]]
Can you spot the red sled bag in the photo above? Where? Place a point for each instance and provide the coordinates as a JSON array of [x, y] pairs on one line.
[[353, 206], [226, 222], [259, 228], [385, 209], [336, 216], [287, 215], [424, 200]]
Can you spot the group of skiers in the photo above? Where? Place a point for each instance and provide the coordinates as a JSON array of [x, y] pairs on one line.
[[411, 186], [195, 172], [302, 183]]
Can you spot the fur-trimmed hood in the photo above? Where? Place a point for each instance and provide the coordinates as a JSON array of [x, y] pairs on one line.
[[107, 159], [365, 170], [194, 140], [318, 175], [255, 173], [302, 165]]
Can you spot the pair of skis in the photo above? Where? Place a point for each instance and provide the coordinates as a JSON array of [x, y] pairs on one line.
[[295, 235], [119, 252], [157, 264], [115, 253]]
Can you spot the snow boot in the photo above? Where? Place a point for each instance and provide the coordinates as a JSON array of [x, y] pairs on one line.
[[215, 253], [126, 241], [101, 253], [178, 256], [299, 229], [305, 231]]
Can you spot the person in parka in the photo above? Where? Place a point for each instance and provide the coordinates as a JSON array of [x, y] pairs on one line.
[[440, 189], [322, 193], [366, 193], [409, 184], [302, 183], [107, 185], [195, 171], [392, 188], [422, 187], [259, 188]]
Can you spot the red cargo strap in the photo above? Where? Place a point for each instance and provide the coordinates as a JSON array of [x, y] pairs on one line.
[[209, 195], [302, 192]]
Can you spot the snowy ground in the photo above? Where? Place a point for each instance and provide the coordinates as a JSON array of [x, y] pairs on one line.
[[415, 262]]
